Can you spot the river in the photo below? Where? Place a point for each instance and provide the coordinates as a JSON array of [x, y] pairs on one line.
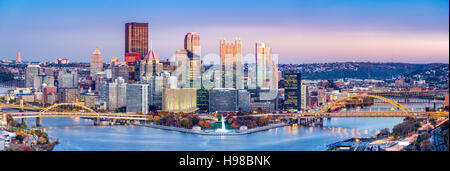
[[77, 134]]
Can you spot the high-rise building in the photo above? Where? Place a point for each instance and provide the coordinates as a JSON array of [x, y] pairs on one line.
[[68, 79], [179, 99], [117, 94], [292, 90], [150, 65], [136, 38], [18, 58], [96, 62], [228, 100], [305, 97], [231, 65], [48, 93], [182, 67], [203, 100], [121, 70], [193, 48], [192, 45], [266, 67], [68, 95], [138, 98], [132, 59], [32, 76]]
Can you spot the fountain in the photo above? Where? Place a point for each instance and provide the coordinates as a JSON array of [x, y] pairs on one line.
[[223, 129]]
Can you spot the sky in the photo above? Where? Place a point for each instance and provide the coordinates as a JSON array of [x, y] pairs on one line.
[[299, 31]]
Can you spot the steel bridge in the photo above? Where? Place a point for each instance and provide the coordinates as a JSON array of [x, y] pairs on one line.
[[70, 110], [21, 106], [394, 103], [429, 94], [358, 114]]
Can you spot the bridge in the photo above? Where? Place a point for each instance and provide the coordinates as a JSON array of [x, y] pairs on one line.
[[358, 114], [326, 111], [78, 109], [429, 94], [70, 110], [341, 100], [21, 106]]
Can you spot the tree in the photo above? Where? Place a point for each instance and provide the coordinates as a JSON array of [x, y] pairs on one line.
[[150, 117], [195, 120], [185, 123], [156, 118]]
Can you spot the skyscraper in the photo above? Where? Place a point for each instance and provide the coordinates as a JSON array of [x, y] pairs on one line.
[[305, 97], [96, 62], [192, 45], [292, 91], [32, 76], [266, 67], [138, 98], [136, 38], [193, 48], [131, 59], [231, 65], [150, 65]]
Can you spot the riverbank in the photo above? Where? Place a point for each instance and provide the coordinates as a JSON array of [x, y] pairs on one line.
[[212, 132]]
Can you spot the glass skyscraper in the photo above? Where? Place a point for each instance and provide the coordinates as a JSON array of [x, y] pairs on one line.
[[292, 91], [136, 38]]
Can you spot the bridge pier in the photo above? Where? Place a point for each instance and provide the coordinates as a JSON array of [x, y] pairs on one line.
[[24, 121], [97, 121], [38, 122]]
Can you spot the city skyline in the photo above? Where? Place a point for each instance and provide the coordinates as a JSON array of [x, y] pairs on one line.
[[413, 32]]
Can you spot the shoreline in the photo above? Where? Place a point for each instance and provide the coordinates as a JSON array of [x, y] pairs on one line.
[[212, 133]]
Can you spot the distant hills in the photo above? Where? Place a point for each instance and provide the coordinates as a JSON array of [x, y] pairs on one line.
[[361, 70]]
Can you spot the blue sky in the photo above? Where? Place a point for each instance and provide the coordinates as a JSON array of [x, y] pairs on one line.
[[300, 31]]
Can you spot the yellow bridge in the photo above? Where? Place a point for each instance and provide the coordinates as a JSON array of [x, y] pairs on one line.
[[359, 114], [73, 110], [78, 109], [21, 106]]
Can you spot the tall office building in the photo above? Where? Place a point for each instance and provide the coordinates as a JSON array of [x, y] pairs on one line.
[[136, 38], [292, 91], [305, 97], [121, 70], [179, 99], [18, 58], [193, 48], [32, 76], [231, 65], [192, 45], [150, 65], [228, 100], [266, 67], [132, 59], [96, 62], [138, 98], [117, 94], [68, 79]]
